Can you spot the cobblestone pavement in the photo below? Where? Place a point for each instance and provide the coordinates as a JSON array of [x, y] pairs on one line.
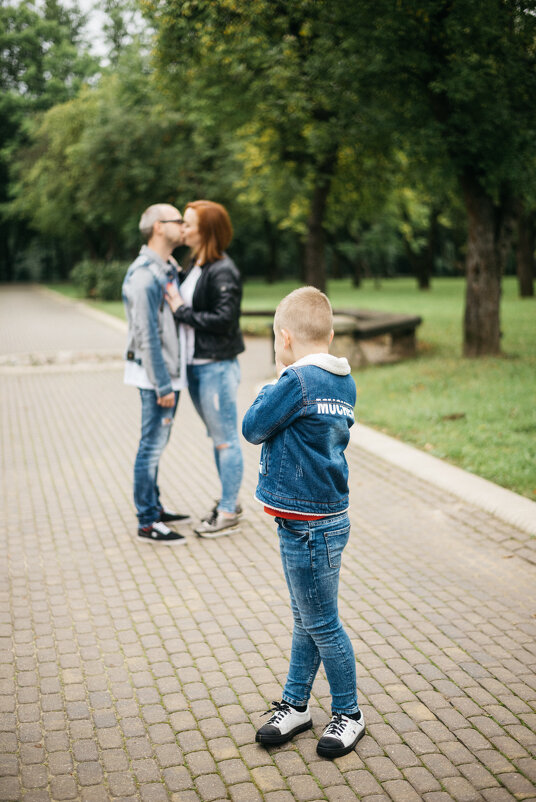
[[133, 671]]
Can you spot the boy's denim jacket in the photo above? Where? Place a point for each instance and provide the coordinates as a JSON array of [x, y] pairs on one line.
[[303, 422], [152, 331]]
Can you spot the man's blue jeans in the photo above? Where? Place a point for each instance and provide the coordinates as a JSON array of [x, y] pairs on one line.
[[311, 555], [213, 389], [156, 423]]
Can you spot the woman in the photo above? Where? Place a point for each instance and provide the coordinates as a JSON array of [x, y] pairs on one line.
[[208, 309]]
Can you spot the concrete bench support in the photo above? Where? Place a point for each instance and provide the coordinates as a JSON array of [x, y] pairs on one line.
[[366, 337], [371, 338]]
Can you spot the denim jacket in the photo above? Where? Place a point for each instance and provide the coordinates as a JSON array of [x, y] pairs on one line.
[[303, 422], [152, 332]]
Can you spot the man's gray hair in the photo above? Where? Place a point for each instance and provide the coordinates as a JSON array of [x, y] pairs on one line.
[[158, 211]]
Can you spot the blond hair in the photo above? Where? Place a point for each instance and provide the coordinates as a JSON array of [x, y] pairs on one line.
[[307, 314]]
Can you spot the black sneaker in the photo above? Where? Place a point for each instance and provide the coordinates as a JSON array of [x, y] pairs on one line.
[[168, 515], [209, 516], [284, 724], [160, 533], [341, 735]]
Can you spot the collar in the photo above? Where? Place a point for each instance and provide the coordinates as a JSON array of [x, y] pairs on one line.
[[148, 253], [333, 364]]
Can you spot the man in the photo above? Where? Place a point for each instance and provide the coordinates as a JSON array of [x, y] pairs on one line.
[[154, 363]]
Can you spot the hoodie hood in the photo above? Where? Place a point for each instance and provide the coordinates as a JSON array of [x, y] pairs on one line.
[[338, 365]]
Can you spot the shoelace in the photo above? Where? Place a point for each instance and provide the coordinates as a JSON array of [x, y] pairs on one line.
[[213, 518], [279, 710], [336, 725]]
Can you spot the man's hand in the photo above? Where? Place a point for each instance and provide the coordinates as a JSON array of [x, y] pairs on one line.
[[173, 297], [166, 400]]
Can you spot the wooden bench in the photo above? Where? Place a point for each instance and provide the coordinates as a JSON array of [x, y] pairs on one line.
[[367, 337]]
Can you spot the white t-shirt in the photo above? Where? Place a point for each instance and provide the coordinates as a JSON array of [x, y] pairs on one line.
[[187, 294]]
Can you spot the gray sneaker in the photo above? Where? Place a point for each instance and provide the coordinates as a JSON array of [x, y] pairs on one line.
[[217, 526], [214, 511]]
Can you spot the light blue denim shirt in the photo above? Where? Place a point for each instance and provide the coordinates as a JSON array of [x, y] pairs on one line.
[[303, 422], [152, 332]]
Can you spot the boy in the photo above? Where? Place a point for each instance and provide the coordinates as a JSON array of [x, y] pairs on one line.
[[303, 422]]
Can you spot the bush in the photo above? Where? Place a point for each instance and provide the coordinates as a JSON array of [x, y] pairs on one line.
[[84, 276], [110, 277], [99, 280]]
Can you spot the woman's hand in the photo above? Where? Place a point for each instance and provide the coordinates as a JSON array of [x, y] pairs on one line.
[[173, 296]]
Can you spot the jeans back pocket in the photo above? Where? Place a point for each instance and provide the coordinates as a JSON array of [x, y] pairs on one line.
[[335, 541]]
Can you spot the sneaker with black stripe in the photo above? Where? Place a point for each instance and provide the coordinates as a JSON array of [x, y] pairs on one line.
[[169, 515]]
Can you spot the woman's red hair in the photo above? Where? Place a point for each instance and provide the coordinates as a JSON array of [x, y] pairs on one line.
[[214, 226]]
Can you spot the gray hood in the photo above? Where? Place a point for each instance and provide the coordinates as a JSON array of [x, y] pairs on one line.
[[338, 365]]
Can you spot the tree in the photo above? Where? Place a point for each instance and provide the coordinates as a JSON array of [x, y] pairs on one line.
[[93, 162], [461, 76], [42, 62], [273, 76]]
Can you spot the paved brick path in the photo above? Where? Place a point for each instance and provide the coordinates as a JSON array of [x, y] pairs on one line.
[[132, 671]]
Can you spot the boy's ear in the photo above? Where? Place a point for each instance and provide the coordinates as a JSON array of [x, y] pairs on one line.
[[286, 337], [331, 337]]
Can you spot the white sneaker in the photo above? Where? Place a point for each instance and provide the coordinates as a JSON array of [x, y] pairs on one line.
[[284, 724], [341, 735]]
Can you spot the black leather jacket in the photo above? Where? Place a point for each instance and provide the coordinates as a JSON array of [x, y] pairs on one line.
[[215, 311]]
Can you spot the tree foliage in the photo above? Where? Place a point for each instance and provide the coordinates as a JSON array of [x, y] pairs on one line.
[[43, 61], [461, 76], [274, 76], [377, 135], [96, 159]]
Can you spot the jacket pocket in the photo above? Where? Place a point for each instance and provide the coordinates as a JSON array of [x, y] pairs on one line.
[[265, 458]]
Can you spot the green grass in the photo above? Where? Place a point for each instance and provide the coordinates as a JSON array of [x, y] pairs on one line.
[[495, 435]]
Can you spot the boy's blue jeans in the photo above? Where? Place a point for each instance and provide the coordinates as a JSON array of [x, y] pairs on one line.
[[156, 423], [311, 555], [213, 389]]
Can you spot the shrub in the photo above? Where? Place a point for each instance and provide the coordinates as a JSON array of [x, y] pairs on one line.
[[98, 279], [84, 276], [110, 277]]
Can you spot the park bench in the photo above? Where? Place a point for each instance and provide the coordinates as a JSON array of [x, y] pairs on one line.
[[367, 337]]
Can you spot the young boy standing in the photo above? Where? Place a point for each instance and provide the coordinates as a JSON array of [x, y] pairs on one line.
[[303, 422]]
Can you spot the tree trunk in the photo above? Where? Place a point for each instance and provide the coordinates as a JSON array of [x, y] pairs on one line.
[[315, 256], [422, 264], [272, 273], [357, 274], [526, 240], [488, 242], [335, 265]]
